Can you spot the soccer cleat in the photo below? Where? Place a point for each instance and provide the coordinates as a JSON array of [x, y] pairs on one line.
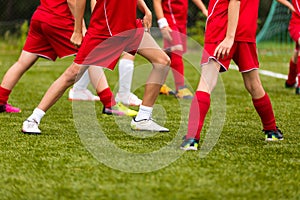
[[31, 127], [147, 125], [298, 90], [166, 90], [82, 95], [129, 99], [287, 85], [189, 144], [184, 93], [271, 135], [120, 110], [7, 108]]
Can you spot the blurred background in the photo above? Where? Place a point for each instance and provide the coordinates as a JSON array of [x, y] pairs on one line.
[[272, 22]]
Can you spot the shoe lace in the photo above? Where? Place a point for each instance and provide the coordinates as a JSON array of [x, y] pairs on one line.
[[32, 123]]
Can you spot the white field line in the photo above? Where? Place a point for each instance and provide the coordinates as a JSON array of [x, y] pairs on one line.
[[266, 73]]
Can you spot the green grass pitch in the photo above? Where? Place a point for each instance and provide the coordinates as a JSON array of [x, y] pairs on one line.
[[57, 164]]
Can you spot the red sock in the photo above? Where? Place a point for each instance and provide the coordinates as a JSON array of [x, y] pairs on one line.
[[4, 94], [177, 69], [298, 70], [107, 98], [292, 73], [264, 109], [198, 110]]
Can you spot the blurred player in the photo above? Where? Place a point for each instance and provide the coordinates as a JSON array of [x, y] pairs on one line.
[[79, 92], [113, 29], [236, 42], [49, 37], [126, 68], [294, 29], [172, 21]]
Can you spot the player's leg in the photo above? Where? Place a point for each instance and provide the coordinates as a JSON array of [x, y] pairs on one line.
[[55, 91], [262, 104], [124, 95], [160, 62], [291, 81], [79, 92], [110, 107], [177, 67], [12, 76], [298, 69], [200, 104]]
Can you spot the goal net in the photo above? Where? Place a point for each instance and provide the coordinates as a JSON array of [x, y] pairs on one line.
[[276, 25]]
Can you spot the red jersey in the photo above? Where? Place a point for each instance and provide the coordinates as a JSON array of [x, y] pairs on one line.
[[216, 23], [54, 12], [111, 17], [175, 10], [295, 19]]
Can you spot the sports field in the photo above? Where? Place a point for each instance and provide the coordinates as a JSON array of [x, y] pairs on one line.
[[70, 161]]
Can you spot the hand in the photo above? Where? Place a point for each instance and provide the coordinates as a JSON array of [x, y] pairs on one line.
[[147, 21], [205, 13], [223, 49], [166, 33], [76, 39]]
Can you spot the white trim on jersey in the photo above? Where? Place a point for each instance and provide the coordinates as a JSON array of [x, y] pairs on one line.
[[212, 12], [297, 4], [106, 18], [172, 15]]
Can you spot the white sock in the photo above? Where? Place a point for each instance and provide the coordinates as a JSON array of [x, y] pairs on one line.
[[37, 115], [83, 82], [126, 68], [145, 112]]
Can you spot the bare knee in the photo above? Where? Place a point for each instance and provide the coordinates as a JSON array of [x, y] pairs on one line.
[[163, 60], [255, 89], [71, 75]]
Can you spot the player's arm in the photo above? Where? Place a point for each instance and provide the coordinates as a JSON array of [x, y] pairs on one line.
[[201, 7], [287, 4], [147, 20], [233, 17], [161, 20], [93, 3], [77, 36], [71, 4]]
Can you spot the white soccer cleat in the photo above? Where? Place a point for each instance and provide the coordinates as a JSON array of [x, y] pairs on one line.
[[128, 99], [147, 125], [31, 127], [82, 95]]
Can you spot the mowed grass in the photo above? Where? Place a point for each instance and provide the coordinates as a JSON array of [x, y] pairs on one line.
[[57, 164]]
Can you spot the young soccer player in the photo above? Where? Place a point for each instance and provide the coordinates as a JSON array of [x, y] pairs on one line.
[[49, 37], [294, 29], [113, 29], [237, 42], [172, 21]]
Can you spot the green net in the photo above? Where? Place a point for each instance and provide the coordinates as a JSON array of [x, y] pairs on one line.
[[275, 27]]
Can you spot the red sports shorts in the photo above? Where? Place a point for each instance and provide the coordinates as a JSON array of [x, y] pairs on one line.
[[49, 41], [294, 31], [105, 51], [244, 54]]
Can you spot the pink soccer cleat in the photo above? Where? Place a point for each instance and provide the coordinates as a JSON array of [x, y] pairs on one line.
[[7, 108]]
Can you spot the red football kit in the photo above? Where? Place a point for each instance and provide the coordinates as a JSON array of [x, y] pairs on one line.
[[294, 26], [175, 11], [51, 28], [294, 30], [243, 51], [111, 31]]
